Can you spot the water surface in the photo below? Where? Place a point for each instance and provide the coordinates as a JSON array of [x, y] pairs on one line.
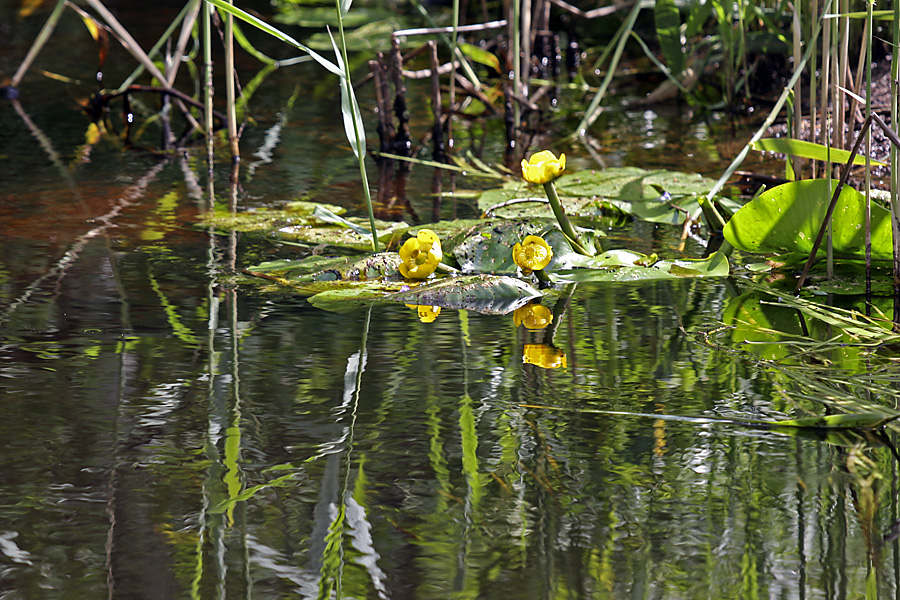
[[169, 432]]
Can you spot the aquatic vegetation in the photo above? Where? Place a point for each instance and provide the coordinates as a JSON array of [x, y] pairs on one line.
[[787, 218], [542, 168], [421, 255]]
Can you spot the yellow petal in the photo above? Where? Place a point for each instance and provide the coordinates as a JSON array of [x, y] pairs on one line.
[[532, 254], [543, 167]]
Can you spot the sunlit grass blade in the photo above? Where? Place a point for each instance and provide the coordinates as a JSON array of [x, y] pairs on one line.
[[806, 149], [353, 125], [276, 33]]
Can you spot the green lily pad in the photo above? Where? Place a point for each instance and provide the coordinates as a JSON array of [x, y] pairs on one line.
[[787, 218], [625, 265], [265, 219], [486, 246], [658, 196], [329, 268], [308, 223], [389, 233], [489, 294]]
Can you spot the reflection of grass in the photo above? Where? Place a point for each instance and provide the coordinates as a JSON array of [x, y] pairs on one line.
[[178, 328]]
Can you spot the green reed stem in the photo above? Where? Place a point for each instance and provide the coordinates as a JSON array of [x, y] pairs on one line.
[[895, 172], [208, 92], [356, 118], [43, 36], [230, 88], [563, 220]]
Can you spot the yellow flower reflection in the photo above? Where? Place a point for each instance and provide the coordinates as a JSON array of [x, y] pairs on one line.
[[543, 167], [533, 316], [427, 314], [544, 356], [533, 254], [421, 255]]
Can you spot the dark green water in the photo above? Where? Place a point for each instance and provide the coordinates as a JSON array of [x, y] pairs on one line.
[[166, 433]]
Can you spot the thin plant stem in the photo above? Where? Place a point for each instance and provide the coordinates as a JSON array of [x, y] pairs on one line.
[[208, 97], [798, 90], [564, 224], [868, 42], [813, 112], [593, 111], [895, 172], [230, 88], [40, 40], [516, 63], [158, 45]]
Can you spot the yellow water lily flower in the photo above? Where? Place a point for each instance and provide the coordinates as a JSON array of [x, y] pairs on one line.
[[544, 356], [427, 314], [420, 255], [543, 167], [533, 254], [533, 316]]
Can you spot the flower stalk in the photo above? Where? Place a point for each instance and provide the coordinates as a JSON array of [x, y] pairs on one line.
[[543, 167], [564, 223]]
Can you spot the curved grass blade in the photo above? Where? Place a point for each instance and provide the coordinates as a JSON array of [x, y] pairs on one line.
[[806, 149], [276, 33]]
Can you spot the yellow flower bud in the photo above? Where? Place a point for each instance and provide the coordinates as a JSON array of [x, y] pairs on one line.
[[420, 255], [543, 167], [533, 316], [427, 314], [532, 254], [544, 356]]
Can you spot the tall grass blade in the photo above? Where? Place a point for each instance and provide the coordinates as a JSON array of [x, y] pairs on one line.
[[593, 110], [43, 36], [276, 33], [773, 114]]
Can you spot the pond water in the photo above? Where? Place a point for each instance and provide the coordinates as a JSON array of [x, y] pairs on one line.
[[171, 431]]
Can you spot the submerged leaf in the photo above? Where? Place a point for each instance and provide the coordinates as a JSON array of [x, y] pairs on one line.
[[869, 420]]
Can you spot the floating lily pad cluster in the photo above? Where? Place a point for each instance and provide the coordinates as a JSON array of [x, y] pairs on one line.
[[493, 265]]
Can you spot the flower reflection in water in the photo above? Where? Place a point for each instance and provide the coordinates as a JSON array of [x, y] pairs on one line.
[[533, 316], [427, 314], [544, 356]]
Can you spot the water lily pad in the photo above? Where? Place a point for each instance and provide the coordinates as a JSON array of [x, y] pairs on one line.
[[486, 247], [308, 223], [482, 293], [330, 268], [266, 219], [787, 218], [625, 265], [658, 196], [388, 234]]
